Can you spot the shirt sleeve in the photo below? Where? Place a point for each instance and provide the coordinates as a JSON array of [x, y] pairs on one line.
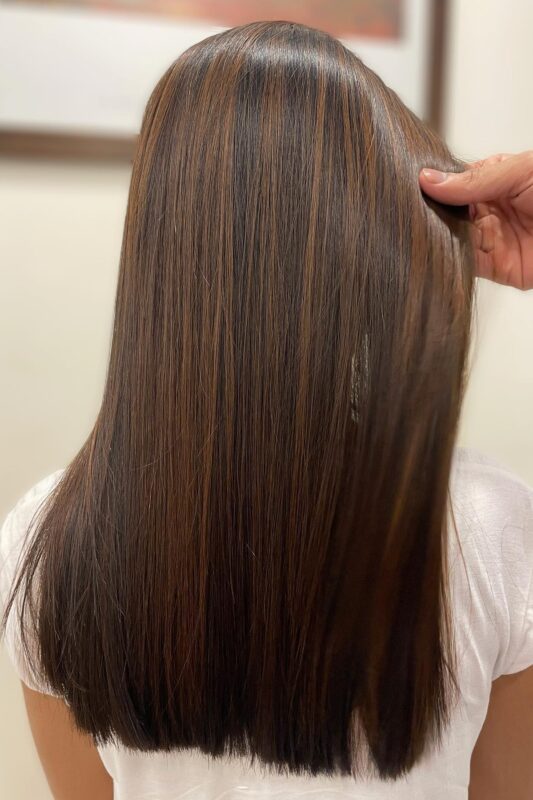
[[517, 576], [13, 538], [495, 510]]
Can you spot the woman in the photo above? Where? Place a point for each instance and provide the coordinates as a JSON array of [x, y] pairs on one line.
[[266, 572]]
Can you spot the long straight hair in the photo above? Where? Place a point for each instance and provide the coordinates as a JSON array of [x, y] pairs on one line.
[[248, 553]]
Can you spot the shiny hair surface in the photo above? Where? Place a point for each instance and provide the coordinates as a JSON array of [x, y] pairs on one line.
[[248, 553]]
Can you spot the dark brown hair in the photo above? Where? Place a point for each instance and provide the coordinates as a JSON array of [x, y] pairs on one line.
[[248, 553]]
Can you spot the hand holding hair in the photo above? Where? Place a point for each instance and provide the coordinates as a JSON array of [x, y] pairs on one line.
[[499, 192]]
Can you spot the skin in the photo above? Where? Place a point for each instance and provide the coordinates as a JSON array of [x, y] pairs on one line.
[[501, 767], [499, 192], [70, 760]]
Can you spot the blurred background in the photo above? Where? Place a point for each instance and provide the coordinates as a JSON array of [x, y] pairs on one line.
[[74, 79]]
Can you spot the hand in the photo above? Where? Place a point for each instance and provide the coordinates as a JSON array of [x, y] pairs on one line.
[[499, 193]]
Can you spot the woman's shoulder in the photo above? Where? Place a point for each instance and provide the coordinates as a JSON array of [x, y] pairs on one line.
[[482, 486], [14, 535], [32, 496], [18, 520], [467, 460], [492, 511]]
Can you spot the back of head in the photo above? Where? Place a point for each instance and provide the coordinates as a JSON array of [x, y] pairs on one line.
[[247, 555]]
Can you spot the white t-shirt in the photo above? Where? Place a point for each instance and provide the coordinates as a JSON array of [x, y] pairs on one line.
[[493, 623]]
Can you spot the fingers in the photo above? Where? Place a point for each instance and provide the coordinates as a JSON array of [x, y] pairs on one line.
[[489, 179]]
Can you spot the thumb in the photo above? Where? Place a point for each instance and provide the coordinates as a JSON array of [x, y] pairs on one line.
[[492, 179]]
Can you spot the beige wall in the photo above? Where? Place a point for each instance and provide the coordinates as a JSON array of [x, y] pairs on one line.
[[489, 83], [60, 233]]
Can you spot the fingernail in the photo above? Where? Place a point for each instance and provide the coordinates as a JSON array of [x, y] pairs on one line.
[[434, 175]]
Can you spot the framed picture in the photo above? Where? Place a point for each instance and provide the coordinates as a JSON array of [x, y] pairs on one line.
[[75, 75]]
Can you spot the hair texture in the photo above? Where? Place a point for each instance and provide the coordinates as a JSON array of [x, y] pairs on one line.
[[248, 553]]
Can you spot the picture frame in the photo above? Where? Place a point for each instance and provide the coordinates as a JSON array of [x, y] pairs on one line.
[[57, 99]]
